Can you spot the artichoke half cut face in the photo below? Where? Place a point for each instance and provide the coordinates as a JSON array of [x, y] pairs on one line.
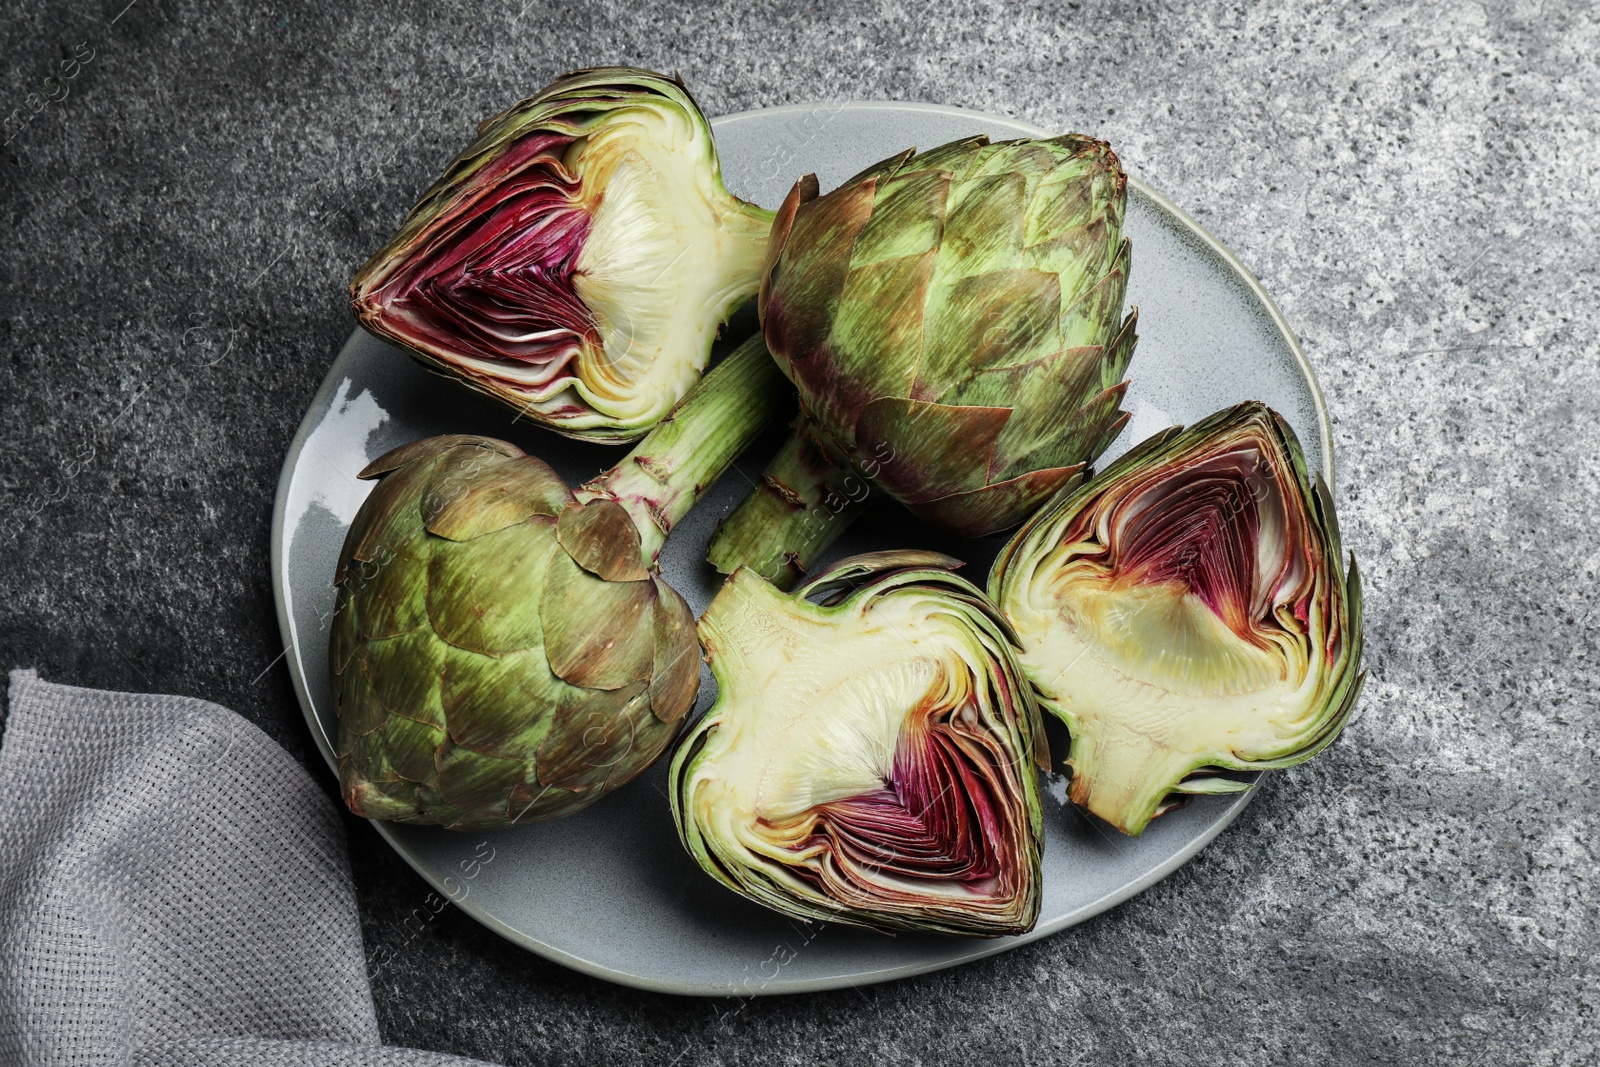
[[869, 759], [1185, 613], [577, 260]]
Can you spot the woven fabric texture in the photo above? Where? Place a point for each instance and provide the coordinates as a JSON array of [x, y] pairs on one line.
[[173, 890]]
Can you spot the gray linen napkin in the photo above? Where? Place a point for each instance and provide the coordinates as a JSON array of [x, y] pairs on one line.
[[173, 890]]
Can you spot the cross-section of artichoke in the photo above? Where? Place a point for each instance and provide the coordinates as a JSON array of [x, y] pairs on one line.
[[1186, 613], [577, 260], [954, 324], [870, 757], [503, 648]]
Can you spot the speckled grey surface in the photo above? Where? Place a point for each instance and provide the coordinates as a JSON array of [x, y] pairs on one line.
[[1417, 188]]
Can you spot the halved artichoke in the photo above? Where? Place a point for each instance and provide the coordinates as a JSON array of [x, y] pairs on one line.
[[1186, 613], [577, 260], [504, 648], [869, 759]]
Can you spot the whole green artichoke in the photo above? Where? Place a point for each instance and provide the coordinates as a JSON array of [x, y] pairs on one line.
[[954, 324], [504, 648], [1187, 612]]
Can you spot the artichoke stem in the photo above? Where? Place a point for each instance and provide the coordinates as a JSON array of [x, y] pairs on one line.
[[670, 470], [1123, 775], [745, 622], [742, 243], [804, 501]]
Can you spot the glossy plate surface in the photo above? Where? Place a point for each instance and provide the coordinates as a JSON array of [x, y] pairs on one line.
[[610, 891]]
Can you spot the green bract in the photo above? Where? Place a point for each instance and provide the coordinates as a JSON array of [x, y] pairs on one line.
[[1185, 613], [869, 759], [954, 324], [577, 260], [503, 648]]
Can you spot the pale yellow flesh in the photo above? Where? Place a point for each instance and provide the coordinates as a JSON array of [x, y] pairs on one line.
[[667, 252], [1153, 685]]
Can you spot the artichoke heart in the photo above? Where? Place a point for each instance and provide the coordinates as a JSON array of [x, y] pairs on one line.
[[577, 260], [504, 648], [1186, 613], [869, 759]]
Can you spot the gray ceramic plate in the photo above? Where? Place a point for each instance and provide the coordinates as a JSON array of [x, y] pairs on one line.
[[610, 891]]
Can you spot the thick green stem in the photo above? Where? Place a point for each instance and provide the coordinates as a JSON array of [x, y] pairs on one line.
[[668, 472], [804, 501]]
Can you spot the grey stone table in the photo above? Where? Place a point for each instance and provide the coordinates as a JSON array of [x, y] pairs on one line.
[[1417, 186]]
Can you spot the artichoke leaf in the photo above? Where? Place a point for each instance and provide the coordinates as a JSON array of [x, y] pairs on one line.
[[925, 438], [601, 739], [483, 594], [675, 677], [411, 748], [472, 781], [996, 506], [404, 672], [491, 703], [490, 495], [597, 634], [602, 539], [431, 448], [848, 574]]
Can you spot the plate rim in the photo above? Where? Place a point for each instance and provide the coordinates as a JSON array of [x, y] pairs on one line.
[[780, 986]]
